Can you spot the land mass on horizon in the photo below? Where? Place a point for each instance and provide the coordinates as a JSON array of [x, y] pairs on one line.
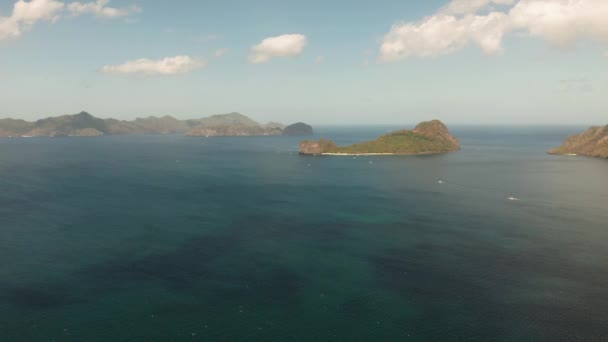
[[592, 143], [427, 138], [84, 124]]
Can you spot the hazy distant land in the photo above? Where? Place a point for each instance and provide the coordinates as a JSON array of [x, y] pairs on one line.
[[86, 125]]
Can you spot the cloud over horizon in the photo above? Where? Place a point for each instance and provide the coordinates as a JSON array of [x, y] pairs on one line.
[[100, 8], [26, 14], [287, 45], [458, 24], [169, 66]]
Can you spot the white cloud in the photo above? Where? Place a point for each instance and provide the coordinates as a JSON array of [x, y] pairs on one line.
[[287, 45], [100, 8], [164, 67], [443, 34], [562, 22], [319, 60], [26, 14], [456, 25], [220, 52]]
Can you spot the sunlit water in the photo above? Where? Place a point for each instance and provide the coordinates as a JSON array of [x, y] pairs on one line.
[[167, 238]]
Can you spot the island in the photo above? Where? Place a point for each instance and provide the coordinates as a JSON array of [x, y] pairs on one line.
[[84, 124], [427, 138], [592, 143], [298, 129]]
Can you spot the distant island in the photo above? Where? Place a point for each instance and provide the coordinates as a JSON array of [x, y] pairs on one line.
[[593, 143], [298, 129], [427, 138], [86, 125]]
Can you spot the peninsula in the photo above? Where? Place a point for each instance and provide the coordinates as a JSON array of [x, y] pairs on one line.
[[427, 138], [593, 143], [84, 124]]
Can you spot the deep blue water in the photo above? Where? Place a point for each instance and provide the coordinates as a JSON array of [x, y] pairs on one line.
[[167, 238]]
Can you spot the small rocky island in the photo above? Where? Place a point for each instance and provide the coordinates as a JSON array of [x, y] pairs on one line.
[[427, 138], [84, 124], [298, 129], [592, 143]]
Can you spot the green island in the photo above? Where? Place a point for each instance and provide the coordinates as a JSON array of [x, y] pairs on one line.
[[592, 143], [427, 138]]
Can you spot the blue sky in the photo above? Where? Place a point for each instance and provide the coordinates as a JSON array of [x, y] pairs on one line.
[[355, 62]]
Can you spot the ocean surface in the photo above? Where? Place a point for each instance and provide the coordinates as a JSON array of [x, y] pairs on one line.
[[168, 238]]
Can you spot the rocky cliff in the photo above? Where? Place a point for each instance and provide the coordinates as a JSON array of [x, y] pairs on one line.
[[592, 143]]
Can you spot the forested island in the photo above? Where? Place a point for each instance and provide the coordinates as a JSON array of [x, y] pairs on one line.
[[427, 138], [593, 143], [86, 125]]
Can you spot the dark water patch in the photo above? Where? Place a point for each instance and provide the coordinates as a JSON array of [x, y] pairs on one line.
[[356, 306], [180, 268], [555, 295], [287, 229], [261, 286], [414, 273], [37, 297]]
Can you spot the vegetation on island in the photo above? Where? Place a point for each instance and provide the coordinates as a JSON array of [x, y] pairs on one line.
[[427, 137]]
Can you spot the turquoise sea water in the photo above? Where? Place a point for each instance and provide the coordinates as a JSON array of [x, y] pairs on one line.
[[167, 238]]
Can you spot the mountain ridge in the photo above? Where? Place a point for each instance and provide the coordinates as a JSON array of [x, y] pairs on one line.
[[84, 124], [592, 143]]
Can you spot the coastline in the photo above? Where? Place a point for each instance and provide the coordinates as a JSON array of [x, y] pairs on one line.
[[357, 154], [563, 154], [344, 154]]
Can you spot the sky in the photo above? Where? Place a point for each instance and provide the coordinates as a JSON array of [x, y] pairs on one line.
[[322, 62]]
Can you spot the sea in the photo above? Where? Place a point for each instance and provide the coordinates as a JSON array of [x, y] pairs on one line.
[[169, 238]]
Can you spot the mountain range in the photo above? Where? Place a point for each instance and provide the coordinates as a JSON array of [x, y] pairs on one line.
[[84, 124]]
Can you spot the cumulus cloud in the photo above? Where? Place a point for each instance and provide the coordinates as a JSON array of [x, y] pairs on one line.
[[100, 8], [458, 24], [443, 34], [27, 13], [562, 22], [164, 67], [287, 45]]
